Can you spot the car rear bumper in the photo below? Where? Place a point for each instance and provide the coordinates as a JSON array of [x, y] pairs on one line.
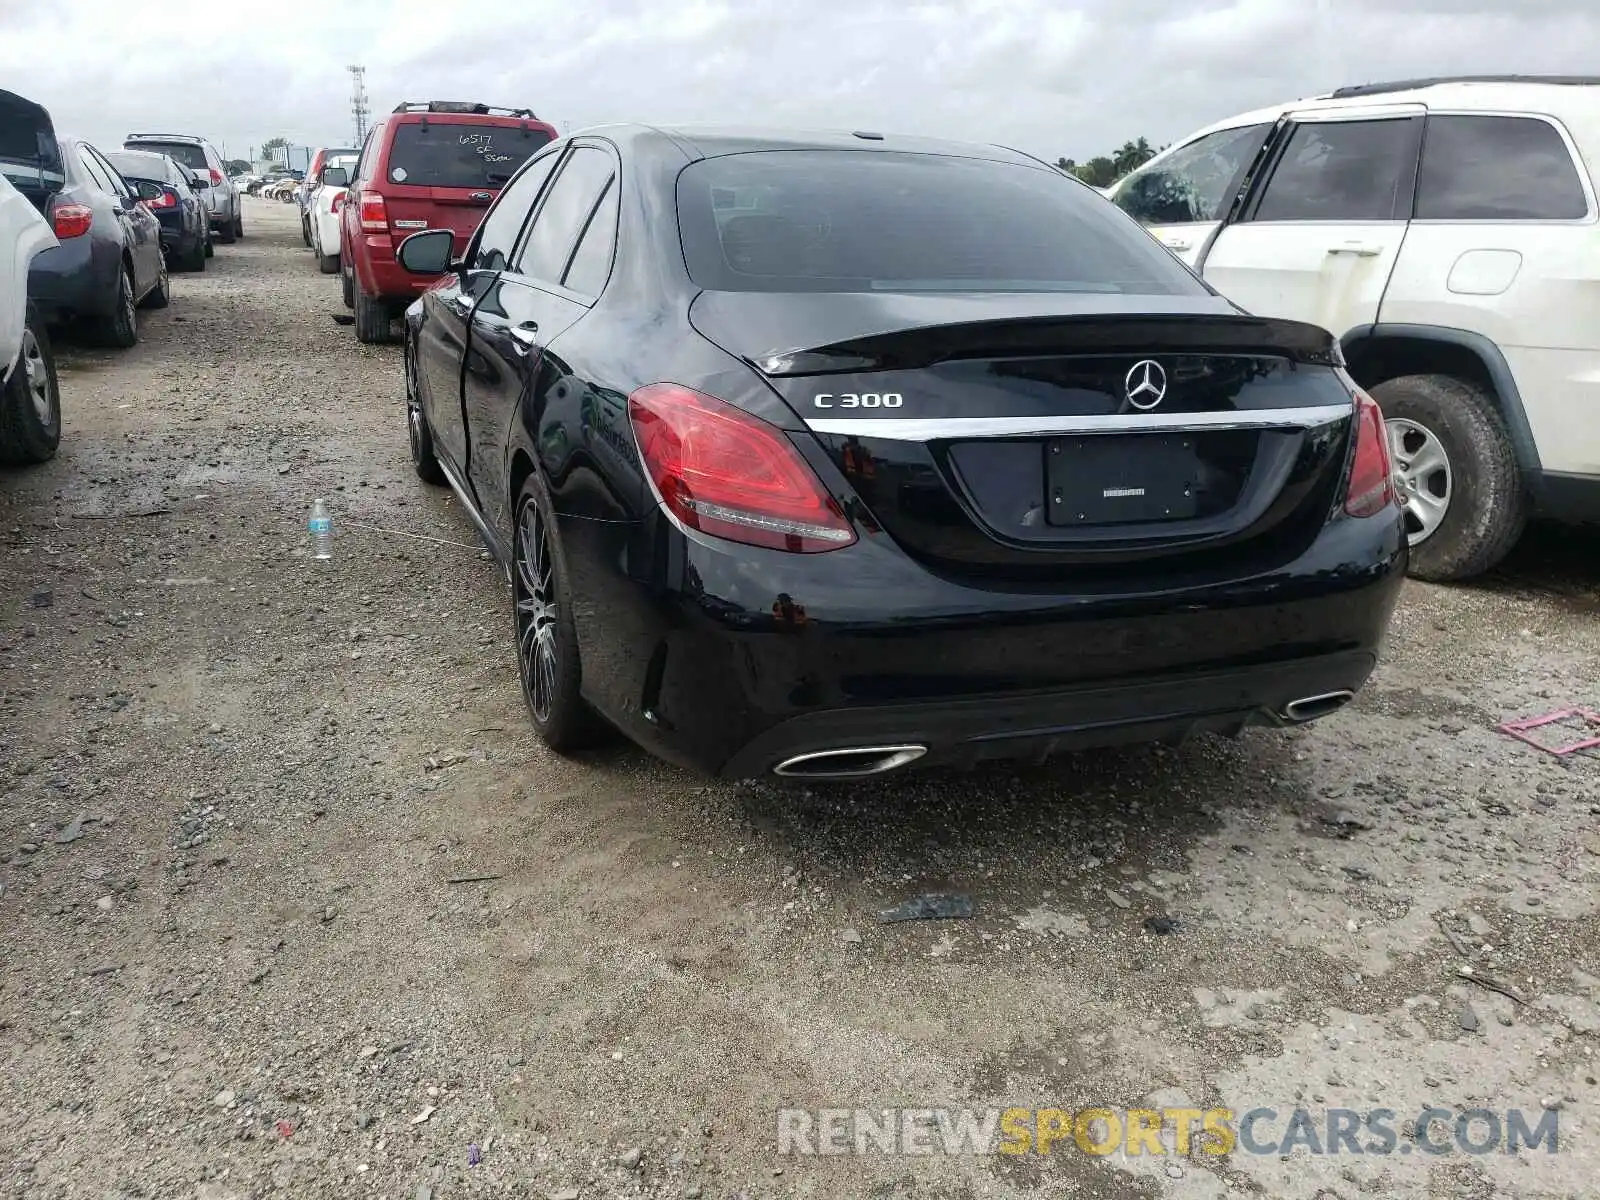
[[736, 659], [380, 276], [63, 281]]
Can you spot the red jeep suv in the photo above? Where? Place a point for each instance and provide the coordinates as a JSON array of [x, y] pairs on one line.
[[424, 166]]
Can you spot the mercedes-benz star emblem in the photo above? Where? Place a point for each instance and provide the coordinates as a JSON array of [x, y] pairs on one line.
[[1145, 384]]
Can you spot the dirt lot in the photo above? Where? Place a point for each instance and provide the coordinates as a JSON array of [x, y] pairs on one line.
[[239, 785]]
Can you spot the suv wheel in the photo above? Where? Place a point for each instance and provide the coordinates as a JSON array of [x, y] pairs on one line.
[[227, 233], [195, 259], [1453, 459], [372, 319], [238, 226], [305, 229], [30, 401], [347, 286]]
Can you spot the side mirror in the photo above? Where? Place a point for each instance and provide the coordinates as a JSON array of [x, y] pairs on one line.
[[336, 176], [428, 252], [199, 183], [147, 191]]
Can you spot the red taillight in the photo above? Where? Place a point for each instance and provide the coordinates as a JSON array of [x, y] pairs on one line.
[[374, 216], [724, 472], [1371, 488], [216, 175], [167, 199], [71, 220], [338, 201]]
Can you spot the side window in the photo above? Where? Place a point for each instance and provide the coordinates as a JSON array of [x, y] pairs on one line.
[[1497, 169], [498, 233], [96, 172], [1342, 171], [119, 185], [561, 218], [1194, 183], [591, 261], [364, 162]]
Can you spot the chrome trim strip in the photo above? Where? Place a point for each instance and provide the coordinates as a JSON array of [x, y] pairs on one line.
[[913, 429], [473, 514]]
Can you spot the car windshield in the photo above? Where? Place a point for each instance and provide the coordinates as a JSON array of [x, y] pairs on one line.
[[190, 154], [862, 221], [458, 155]]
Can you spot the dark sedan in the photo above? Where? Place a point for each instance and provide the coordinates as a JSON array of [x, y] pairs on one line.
[[170, 192], [825, 455]]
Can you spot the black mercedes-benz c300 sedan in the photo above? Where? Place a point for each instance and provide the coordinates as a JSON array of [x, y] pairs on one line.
[[823, 455]]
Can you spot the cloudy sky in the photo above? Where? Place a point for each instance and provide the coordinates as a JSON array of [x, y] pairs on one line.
[[1054, 77]]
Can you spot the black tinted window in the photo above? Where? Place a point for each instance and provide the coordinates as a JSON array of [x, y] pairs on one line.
[[1193, 183], [1497, 168], [861, 221], [452, 154], [190, 154], [97, 173], [1340, 171], [564, 213], [591, 262], [498, 233], [137, 166]]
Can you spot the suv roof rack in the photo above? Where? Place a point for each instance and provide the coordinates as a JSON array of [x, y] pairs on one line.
[[463, 106], [173, 137], [1410, 85]]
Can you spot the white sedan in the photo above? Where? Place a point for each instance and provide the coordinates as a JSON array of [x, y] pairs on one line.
[[324, 211]]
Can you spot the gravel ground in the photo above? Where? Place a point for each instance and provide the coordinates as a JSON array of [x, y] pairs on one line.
[[242, 789]]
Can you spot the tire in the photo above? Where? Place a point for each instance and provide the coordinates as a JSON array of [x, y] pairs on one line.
[[418, 431], [305, 231], [372, 320], [238, 227], [347, 287], [1484, 505], [195, 260], [121, 328], [328, 264], [227, 235], [547, 640], [30, 401], [211, 250], [161, 295]]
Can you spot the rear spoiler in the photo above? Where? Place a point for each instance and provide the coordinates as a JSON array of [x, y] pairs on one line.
[[1026, 336]]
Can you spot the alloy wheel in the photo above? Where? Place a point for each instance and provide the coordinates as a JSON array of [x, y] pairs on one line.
[[413, 404], [1426, 480], [534, 589], [37, 374], [130, 306]]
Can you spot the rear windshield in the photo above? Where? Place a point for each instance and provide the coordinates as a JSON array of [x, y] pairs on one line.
[[29, 158], [863, 221], [452, 154], [138, 166], [189, 154]]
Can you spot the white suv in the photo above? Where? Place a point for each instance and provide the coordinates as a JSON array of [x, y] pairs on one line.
[[220, 194], [1446, 230]]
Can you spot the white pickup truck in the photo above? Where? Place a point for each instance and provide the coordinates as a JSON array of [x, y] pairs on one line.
[[30, 399]]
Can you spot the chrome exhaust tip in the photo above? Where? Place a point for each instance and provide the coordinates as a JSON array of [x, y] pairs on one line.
[[1309, 708], [856, 762]]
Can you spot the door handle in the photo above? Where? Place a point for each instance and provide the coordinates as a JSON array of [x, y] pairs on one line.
[[1177, 244], [1359, 249], [524, 337]]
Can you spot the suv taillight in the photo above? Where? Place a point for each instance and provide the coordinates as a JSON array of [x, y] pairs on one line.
[[1371, 487], [71, 220], [721, 471], [338, 201], [374, 216], [216, 175]]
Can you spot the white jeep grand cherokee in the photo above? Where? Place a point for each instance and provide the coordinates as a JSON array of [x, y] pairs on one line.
[[1447, 230]]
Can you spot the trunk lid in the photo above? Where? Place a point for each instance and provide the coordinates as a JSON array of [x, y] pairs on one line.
[[30, 156], [1033, 434]]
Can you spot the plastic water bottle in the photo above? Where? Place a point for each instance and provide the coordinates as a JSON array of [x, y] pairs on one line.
[[321, 527]]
